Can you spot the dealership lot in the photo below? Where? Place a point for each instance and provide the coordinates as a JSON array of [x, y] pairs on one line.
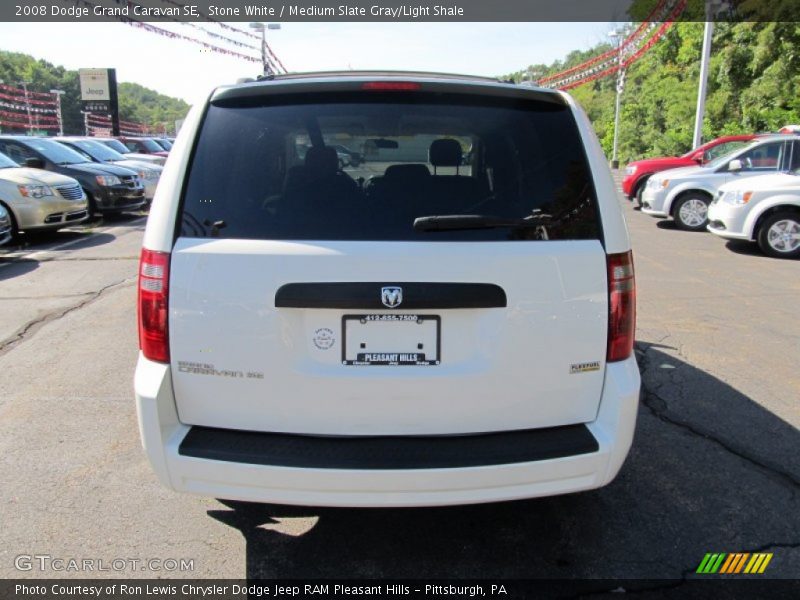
[[713, 468]]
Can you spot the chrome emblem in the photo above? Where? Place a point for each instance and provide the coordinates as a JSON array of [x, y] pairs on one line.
[[392, 296]]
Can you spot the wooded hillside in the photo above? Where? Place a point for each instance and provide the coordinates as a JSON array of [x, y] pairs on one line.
[[136, 103], [754, 85]]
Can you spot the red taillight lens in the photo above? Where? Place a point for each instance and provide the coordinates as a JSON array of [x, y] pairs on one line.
[[153, 315], [621, 306], [390, 86]]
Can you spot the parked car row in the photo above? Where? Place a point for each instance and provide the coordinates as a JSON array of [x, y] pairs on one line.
[[50, 183], [750, 192], [148, 172], [145, 146], [637, 173]]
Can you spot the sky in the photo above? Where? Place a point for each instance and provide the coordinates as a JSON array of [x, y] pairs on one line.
[[185, 70]]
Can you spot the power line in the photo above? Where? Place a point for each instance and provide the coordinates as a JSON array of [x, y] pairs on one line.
[[171, 34], [244, 32], [632, 48]]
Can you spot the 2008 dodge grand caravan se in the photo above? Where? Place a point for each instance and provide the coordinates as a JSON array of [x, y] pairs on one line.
[[451, 321]]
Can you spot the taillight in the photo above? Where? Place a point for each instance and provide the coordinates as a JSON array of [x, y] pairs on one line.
[[153, 316], [621, 306], [390, 86]]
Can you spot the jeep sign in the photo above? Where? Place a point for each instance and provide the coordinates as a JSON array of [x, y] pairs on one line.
[[94, 84], [99, 94]]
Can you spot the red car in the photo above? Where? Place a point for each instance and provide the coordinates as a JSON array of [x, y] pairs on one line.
[[637, 172], [143, 145]]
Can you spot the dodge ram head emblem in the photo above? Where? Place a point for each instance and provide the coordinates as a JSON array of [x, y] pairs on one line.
[[392, 297]]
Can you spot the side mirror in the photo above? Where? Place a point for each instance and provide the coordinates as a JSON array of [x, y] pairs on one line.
[[698, 158], [34, 163], [735, 165]]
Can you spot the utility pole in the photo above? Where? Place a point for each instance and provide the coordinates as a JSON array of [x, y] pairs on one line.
[[620, 35], [713, 8], [266, 69], [701, 91], [58, 94]]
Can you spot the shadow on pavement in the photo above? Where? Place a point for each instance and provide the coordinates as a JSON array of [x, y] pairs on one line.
[[748, 249], [710, 471], [10, 268], [32, 241], [122, 219], [77, 240], [667, 224]]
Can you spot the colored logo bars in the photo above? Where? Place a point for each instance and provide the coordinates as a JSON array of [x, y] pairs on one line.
[[737, 562]]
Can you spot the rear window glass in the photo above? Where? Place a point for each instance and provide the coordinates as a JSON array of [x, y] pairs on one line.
[[96, 150], [116, 145], [146, 143], [365, 166]]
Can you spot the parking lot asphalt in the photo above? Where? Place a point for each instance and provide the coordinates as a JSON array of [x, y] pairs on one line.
[[714, 466]]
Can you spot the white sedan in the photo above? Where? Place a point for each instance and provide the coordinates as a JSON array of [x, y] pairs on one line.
[[685, 194], [765, 209]]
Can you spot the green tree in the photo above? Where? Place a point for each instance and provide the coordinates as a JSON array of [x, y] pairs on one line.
[[137, 103], [754, 86]]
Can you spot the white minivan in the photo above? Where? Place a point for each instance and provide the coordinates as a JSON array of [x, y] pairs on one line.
[[764, 209], [420, 329]]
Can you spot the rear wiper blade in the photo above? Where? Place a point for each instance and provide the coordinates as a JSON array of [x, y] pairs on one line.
[[460, 222]]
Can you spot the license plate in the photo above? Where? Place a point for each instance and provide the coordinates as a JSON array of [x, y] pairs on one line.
[[391, 340]]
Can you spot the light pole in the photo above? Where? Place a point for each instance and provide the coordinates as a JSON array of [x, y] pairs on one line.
[[58, 94], [713, 8], [533, 76], [262, 28], [701, 90], [24, 85], [619, 35]]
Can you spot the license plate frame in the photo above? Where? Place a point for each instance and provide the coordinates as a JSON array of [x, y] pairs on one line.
[[388, 357]]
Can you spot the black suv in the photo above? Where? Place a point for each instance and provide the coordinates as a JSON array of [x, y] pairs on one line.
[[109, 188]]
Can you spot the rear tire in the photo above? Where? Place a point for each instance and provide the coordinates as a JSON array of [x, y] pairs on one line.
[[91, 205], [779, 235], [13, 220], [691, 212], [637, 195]]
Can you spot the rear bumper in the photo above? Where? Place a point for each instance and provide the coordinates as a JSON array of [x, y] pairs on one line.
[[163, 435]]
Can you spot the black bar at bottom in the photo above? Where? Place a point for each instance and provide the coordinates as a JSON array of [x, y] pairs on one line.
[[402, 589], [387, 452]]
